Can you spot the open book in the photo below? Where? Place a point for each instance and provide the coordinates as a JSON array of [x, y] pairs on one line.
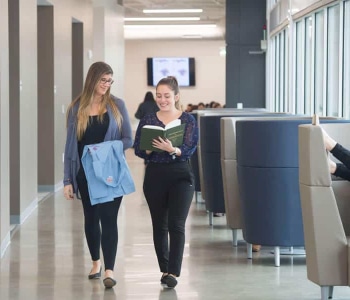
[[174, 131]]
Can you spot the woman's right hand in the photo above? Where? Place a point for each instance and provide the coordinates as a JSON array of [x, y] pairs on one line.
[[68, 192]]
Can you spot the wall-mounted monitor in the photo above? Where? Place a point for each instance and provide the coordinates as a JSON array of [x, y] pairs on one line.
[[183, 68]]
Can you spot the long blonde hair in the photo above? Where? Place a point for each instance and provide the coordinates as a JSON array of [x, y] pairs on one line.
[[93, 77]]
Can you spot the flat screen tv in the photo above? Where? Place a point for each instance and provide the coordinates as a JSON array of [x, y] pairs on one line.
[[183, 68]]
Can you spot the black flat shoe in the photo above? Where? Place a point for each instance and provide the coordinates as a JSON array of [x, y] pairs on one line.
[[95, 275], [162, 279], [170, 281], [109, 282]]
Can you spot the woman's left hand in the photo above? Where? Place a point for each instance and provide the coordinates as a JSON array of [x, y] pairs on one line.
[[163, 144]]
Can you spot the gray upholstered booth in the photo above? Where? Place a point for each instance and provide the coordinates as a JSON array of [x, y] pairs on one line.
[[196, 157], [229, 168], [205, 136], [268, 176], [325, 209]]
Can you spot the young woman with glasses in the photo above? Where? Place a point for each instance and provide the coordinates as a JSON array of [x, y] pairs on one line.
[[93, 117]]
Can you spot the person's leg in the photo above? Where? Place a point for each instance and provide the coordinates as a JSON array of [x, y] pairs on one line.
[[339, 152], [156, 196], [342, 154], [91, 224], [180, 199], [109, 239]]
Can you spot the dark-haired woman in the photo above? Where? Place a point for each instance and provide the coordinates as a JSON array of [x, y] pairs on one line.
[[169, 183], [147, 107]]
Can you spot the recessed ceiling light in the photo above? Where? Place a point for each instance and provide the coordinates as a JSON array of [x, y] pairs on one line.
[[164, 19], [192, 36], [171, 11], [171, 26]]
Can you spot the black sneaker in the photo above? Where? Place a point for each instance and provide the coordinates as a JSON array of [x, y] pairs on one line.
[[170, 281]]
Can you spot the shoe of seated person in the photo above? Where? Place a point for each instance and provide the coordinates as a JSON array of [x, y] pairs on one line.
[[256, 248]]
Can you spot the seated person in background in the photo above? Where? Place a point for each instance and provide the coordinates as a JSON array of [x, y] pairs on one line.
[[211, 104], [341, 170], [201, 105], [194, 107], [147, 107], [189, 107]]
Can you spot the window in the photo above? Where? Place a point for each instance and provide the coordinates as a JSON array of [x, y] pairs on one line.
[[346, 61], [309, 35], [278, 74], [333, 42], [319, 63], [299, 65]]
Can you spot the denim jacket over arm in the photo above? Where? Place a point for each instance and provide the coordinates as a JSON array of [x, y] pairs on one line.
[[106, 171], [71, 155]]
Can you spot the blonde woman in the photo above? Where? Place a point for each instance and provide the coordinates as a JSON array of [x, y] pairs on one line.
[[93, 117]]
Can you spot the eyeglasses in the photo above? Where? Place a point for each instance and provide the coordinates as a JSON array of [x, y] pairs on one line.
[[105, 81]]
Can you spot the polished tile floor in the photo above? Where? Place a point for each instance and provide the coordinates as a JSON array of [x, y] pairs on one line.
[[48, 259]]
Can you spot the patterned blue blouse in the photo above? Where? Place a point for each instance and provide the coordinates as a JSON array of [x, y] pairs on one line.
[[187, 148]]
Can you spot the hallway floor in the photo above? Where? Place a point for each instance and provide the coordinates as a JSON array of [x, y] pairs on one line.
[[48, 259]]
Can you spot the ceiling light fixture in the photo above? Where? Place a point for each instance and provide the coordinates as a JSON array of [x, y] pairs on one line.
[[164, 19], [151, 26], [192, 36], [171, 11]]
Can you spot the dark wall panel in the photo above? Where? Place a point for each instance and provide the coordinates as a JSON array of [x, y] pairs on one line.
[[46, 99], [245, 63]]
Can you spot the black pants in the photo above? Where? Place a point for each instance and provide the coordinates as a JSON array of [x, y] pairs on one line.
[[104, 213], [343, 155], [169, 190]]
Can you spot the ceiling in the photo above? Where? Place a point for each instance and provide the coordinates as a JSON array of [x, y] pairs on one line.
[[213, 13]]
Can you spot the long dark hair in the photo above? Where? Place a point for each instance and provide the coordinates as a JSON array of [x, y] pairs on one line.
[[148, 97]]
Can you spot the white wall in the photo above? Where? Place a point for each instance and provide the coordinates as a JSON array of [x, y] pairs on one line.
[[210, 69], [109, 46]]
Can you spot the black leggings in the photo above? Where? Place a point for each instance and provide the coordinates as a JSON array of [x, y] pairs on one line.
[[343, 155], [169, 190], [106, 214]]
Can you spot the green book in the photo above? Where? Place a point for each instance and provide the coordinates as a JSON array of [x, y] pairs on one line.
[[174, 131]]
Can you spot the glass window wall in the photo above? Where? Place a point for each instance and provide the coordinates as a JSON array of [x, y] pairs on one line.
[[310, 69]]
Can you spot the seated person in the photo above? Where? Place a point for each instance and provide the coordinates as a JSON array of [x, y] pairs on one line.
[[201, 105], [341, 170]]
